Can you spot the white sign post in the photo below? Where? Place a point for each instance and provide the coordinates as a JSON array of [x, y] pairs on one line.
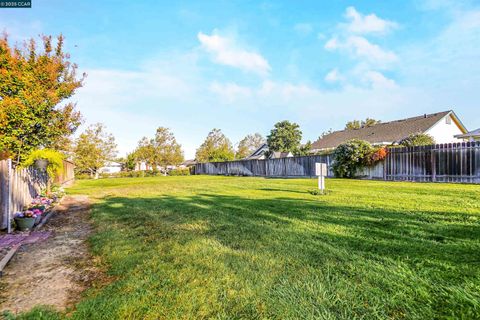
[[321, 172]]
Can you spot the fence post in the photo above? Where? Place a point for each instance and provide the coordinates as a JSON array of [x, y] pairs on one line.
[[8, 205], [434, 162]]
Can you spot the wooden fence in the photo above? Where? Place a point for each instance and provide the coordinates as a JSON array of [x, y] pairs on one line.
[[67, 175], [452, 162], [283, 167], [458, 162], [19, 186]]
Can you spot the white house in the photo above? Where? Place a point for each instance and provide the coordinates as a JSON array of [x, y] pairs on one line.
[[111, 167], [444, 127]]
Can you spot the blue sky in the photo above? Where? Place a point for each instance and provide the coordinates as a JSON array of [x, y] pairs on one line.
[[241, 66]]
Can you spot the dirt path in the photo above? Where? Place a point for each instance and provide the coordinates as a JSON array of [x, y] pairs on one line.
[[53, 272]]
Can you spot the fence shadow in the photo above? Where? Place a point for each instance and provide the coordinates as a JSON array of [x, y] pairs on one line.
[[303, 228]]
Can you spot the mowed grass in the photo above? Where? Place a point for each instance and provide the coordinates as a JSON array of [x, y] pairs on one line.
[[252, 248]]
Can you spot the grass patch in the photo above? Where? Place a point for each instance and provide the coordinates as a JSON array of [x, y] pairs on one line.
[[226, 247]]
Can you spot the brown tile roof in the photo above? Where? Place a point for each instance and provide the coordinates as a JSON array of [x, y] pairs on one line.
[[390, 132]]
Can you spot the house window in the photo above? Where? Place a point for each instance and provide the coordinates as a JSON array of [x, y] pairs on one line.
[[448, 120]]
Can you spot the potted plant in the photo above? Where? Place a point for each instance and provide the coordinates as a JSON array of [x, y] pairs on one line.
[[50, 159], [25, 220], [38, 215]]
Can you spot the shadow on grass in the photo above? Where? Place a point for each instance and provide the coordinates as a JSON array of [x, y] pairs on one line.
[[247, 224]]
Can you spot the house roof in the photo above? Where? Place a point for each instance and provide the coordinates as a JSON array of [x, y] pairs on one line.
[[259, 152], [190, 162], [386, 132], [474, 133]]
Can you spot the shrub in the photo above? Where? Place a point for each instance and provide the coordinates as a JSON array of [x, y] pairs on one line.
[[349, 157], [179, 172], [376, 155], [417, 139]]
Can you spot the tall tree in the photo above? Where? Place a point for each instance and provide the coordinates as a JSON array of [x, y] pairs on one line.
[[33, 84], [146, 152], [93, 148], [216, 147], [248, 145], [161, 151], [285, 137], [357, 124], [130, 161]]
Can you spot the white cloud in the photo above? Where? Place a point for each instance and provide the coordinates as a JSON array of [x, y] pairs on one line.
[[378, 81], [360, 47], [225, 51], [303, 28], [334, 76], [364, 24], [230, 92]]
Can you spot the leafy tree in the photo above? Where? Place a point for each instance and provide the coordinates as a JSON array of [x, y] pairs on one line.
[[285, 137], [161, 151], [303, 150], [356, 124], [350, 156], [130, 161], [146, 152], [33, 84], [248, 145], [93, 148], [370, 122], [417, 139], [216, 147]]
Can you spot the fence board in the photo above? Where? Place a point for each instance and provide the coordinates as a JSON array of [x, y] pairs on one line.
[[18, 188], [457, 162]]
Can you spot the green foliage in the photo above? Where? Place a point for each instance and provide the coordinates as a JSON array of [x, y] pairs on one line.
[[179, 172], [349, 157], [216, 147], [162, 150], [303, 150], [285, 137], [130, 162], [141, 174], [93, 148], [37, 313], [417, 139], [54, 158], [356, 124], [248, 145], [226, 248], [33, 84]]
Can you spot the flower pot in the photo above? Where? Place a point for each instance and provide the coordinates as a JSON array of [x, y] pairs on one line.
[[41, 164], [24, 223]]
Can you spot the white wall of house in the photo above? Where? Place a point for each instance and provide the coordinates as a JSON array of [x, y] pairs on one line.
[[111, 167], [445, 131]]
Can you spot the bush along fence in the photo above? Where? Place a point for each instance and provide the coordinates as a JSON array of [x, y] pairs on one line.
[[453, 162], [19, 186]]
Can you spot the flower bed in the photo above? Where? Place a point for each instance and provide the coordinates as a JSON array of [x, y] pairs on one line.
[[35, 212]]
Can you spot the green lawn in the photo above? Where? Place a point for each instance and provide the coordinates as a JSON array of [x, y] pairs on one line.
[[252, 248]]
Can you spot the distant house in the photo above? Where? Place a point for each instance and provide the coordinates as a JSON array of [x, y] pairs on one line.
[[444, 127], [261, 152], [188, 163], [470, 136], [111, 167]]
